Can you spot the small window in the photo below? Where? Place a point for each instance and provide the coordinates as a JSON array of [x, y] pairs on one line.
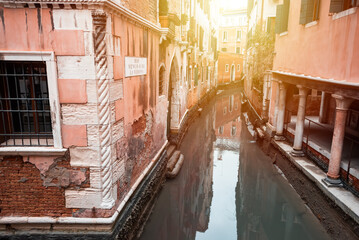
[[161, 82], [225, 37], [239, 35], [309, 11], [227, 67], [231, 101], [233, 72], [238, 68], [25, 118], [233, 131], [224, 110], [342, 5], [238, 50], [220, 130]]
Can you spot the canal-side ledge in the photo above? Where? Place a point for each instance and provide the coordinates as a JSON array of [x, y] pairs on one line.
[[344, 199], [125, 223]]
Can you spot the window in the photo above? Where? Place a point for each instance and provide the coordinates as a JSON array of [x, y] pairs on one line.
[[224, 110], [309, 11], [239, 35], [224, 49], [233, 131], [238, 68], [282, 14], [225, 36], [342, 5], [238, 50], [24, 104], [231, 101], [227, 68], [161, 90], [31, 103], [233, 72], [220, 130]]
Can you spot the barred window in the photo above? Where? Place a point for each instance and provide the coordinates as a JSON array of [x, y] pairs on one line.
[[25, 118]]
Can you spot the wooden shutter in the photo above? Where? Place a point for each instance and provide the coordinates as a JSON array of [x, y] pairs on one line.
[[303, 12], [316, 9], [278, 19], [336, 6], [285, 16], [310, 11]]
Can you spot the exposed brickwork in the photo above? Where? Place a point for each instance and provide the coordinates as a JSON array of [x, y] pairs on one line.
[[22, 192], [144, 8], [27, 190]]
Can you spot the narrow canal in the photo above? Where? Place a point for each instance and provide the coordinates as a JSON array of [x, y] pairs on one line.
[[228, 188]]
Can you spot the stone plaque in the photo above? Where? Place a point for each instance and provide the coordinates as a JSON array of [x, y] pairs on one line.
[[135, 66]]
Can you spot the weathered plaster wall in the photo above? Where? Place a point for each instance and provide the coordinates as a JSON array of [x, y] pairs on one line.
[[328, 49], [137, 116], [143, 112]]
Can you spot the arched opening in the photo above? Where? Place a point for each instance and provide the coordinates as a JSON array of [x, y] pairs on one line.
[[233, 72], [173, 98]]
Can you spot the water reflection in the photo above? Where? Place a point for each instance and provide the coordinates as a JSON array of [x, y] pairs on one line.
[[227, 188]]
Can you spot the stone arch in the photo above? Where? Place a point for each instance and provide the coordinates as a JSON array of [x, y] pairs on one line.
[[173, 96]]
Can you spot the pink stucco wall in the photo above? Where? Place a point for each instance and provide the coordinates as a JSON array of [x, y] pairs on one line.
[[328, 49]]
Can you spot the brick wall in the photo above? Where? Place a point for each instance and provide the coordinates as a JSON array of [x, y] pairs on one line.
[[25, 191], [144, 8]]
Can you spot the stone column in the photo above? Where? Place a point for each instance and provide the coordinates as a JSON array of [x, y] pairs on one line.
[[342, 105], [276, 106], [281, 112], [299, 126], [324, 107], [266, 93], [104, 112]]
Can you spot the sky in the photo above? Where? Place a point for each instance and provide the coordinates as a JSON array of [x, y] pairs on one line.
[[234, 4]]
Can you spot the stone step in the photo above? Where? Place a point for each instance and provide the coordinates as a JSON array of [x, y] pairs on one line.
[[170, 150], [176, 169], [173, 160]]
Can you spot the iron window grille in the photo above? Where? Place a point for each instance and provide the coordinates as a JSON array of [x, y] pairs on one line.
[[25, 118]]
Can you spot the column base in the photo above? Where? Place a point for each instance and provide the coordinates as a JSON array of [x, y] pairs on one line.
[[279, 138], [297, 153], [332, 182]]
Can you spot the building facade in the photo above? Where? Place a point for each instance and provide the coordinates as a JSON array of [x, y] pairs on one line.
[[90, 95], [231, 44], [79, 128], [260, 51], [317, 55]]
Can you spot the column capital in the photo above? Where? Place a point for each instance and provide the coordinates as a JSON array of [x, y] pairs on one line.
[[282, 85], [303, 91], [342, 103]]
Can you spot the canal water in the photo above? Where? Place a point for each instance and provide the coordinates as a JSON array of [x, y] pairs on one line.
[[227, 187]]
